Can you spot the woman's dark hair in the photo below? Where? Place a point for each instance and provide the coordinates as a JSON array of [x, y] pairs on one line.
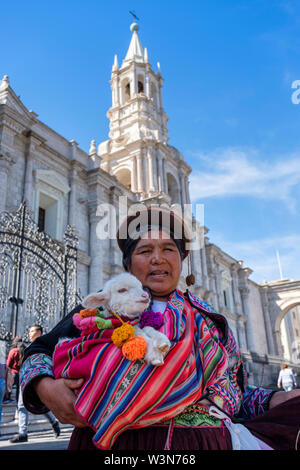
[[17, 342], [21, 348]]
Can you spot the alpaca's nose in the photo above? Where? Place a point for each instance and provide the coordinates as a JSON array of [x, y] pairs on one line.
[[145, 295]]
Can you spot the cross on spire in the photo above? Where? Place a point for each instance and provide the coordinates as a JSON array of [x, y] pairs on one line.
[[134, 15]]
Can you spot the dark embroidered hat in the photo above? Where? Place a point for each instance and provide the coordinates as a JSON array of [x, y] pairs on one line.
[[153, 218]]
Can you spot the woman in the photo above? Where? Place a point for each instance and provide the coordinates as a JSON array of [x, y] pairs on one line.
[[286, 378], [204, 365]]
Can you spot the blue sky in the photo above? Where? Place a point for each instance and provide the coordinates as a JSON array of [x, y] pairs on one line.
[[228, 67]]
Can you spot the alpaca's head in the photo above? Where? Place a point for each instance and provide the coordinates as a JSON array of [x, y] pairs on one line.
[[123, 294]]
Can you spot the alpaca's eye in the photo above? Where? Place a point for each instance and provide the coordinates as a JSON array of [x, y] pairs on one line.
[[122, 290]]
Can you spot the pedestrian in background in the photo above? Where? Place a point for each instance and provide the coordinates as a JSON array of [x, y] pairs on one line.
[[2, 379], [13, 362], [286, 378], [34, 332]]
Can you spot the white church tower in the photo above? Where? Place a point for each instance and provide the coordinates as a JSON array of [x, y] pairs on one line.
[[137, 151]]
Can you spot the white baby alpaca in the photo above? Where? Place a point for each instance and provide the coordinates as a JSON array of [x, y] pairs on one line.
[[124, 295]]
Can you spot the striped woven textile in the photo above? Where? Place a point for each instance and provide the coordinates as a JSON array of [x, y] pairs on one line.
[[119, 394]]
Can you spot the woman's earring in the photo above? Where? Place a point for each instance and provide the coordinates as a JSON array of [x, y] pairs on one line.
[[190, 278]]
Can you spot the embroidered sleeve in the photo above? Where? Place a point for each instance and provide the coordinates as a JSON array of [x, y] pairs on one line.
[[255, 402], [34, 366], [226, 391]]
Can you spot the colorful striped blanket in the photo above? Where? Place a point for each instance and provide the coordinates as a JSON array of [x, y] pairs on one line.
[[119, 394]]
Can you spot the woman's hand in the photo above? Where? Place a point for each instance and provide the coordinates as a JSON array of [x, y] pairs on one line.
[[281, 397], [59, 397]]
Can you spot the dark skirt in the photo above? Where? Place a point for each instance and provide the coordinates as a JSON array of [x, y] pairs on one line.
[[278, 427], [155, 438]]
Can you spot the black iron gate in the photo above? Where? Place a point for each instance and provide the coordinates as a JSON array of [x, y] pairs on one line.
[[37, 275]]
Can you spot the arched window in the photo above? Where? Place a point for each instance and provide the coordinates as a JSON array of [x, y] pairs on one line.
[[140, 84], [173, 189], [127, 92], [290, 334]]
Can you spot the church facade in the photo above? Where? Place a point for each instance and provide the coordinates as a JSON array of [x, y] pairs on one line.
[[63, 185]]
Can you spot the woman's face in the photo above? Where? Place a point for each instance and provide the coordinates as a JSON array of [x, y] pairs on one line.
[[156, 262]]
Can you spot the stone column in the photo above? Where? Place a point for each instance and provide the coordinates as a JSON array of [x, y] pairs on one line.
[[72, 178], [241, 332], [28, 177], [213, 288], [160, 174], [144, 167], [115, 90], [163, 161], [155, 169], [7, 136], [115, 253], [240, 317], [134, 185], [160, 107], [249, 333], [140, 173], [5, 162], [204, 264], [212, 274], [72, 212], [134, 83], [268, 326], [187, 192], [95, 251], [151, 187], [182, 189], [118, 91], [197, 267], [244, 291], [147, 82], [219, 287], [235, 290], [33, 143]]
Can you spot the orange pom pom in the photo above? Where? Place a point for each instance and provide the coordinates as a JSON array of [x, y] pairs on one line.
[[135, 348], [122, 334], [88, 312]]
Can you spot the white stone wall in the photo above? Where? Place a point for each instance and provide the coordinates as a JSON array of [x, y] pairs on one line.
[[256, 321]]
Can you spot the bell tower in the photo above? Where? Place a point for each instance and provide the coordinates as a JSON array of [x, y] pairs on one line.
[[137, 151]]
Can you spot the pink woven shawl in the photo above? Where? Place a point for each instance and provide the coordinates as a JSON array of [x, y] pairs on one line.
[[119, 394]]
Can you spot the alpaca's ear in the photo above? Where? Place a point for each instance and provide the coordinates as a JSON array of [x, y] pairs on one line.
[[95, 300]]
